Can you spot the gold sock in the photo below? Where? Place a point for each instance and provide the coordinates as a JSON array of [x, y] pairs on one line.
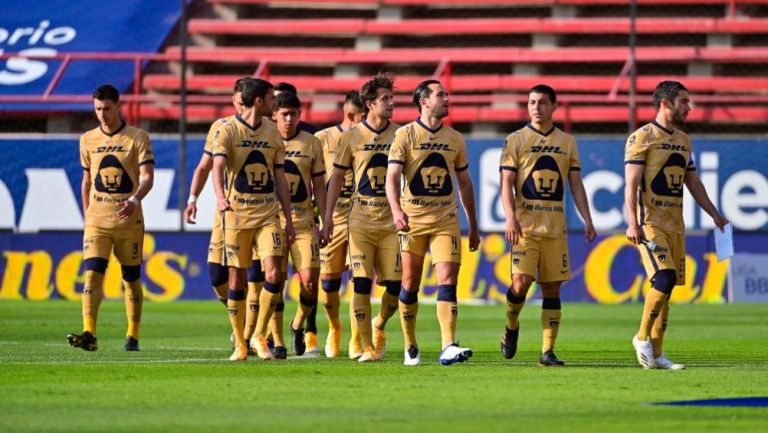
[[658, 330], [92, 295], [268, 299], [252, 312], [236, 309], [354, 330], [331, 301], [447, 313], [550, 322], [409, 311], [654, 303], [515, 305], [276, 327], [362, 305], [302, 312], [389, 306], [134, 300]]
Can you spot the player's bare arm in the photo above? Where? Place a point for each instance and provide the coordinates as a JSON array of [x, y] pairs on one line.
[[146, 180], [318, 187], [394, 175], [196, 187], [699, 193], [633, 173], [467, 197], [284, 196], [334, 190], [85, 190], [582, 204], [219, 165], [512, 230]]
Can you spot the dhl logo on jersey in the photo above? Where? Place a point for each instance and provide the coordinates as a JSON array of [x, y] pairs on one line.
[[253, 144], [373, 147], [435, 146]]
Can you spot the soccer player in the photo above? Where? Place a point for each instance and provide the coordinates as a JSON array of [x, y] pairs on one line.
[[249, 179], [373, 240], [283, 87], [535, 163], [333, 257], [118, 171], [657, 163], [429, 154], [305, 172]]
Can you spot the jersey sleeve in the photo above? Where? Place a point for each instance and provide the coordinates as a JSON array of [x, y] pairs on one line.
[[85, 157], [208, 146], [691, 165], [399, 147], [144, 148], [318, 161], [461, 163], [509, 159], [575, 162], [279, 160], [635, 149], [220, 144], [343, 153]]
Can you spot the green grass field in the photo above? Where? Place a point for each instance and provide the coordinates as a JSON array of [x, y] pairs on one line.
[[181, 381]]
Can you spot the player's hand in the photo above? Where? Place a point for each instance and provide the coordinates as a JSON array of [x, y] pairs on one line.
[[589, 232], [319, 235], [634, 234], [512, 231], [126, 210], [223, 205], [474, 239], [290, 233], [401, 221], [720, 222], [327, 233], [190, 213]]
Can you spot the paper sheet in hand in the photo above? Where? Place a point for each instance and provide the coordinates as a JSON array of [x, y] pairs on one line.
[[724, 242]]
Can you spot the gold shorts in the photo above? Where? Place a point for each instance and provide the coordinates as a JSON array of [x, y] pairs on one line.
[[444, 244], [334, 257], [375, 249], [545, 259], [304, 252], [240, 243], [668, 254], [127, 244], [216, 246]]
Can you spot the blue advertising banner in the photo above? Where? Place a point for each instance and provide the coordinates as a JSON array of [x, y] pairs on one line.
[[50, 266], [40, 184], [51, 27]]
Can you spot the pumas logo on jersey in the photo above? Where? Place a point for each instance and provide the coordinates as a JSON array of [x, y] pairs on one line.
[[254, 176], [544, 182], [112, 178], [373, 179], [296, 184], [376, 147], [662, 257], [433, 178], [670, 179]]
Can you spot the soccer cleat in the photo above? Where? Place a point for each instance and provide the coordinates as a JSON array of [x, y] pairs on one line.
[[333, 343], [644, 352], [663, 363], [280, 352], [85, 341], [452, 354], [379, 342], [259, 345], [355, 349], [310, 338], [509, 342], [549, 359], [369, 355], [411, 356], [298, 345], [239, 354], [131, 344]]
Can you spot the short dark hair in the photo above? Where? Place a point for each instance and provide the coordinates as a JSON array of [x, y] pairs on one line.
[[287, 100], [353, 98], [240, 84], [370, 89], [255, 88], [666, 90], [544, 90], [423, 91], [286, 87], [106, 91]]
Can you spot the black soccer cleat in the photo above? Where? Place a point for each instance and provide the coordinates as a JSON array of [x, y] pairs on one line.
[[131, 345], [85, 341], [548, 359], [280, 352], [298, 345], [509, 342]]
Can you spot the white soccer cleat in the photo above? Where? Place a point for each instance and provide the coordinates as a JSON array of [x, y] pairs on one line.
[[663, 363], [644, 352], [369, 355], [452, 354], [411, 356]]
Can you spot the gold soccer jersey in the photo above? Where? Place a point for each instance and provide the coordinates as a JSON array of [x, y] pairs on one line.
[[113, 162], [541, 162], [303, 161], [329, 138], [252, 155], [365, 151], [430, 158], [215, 126], [666, 156]]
